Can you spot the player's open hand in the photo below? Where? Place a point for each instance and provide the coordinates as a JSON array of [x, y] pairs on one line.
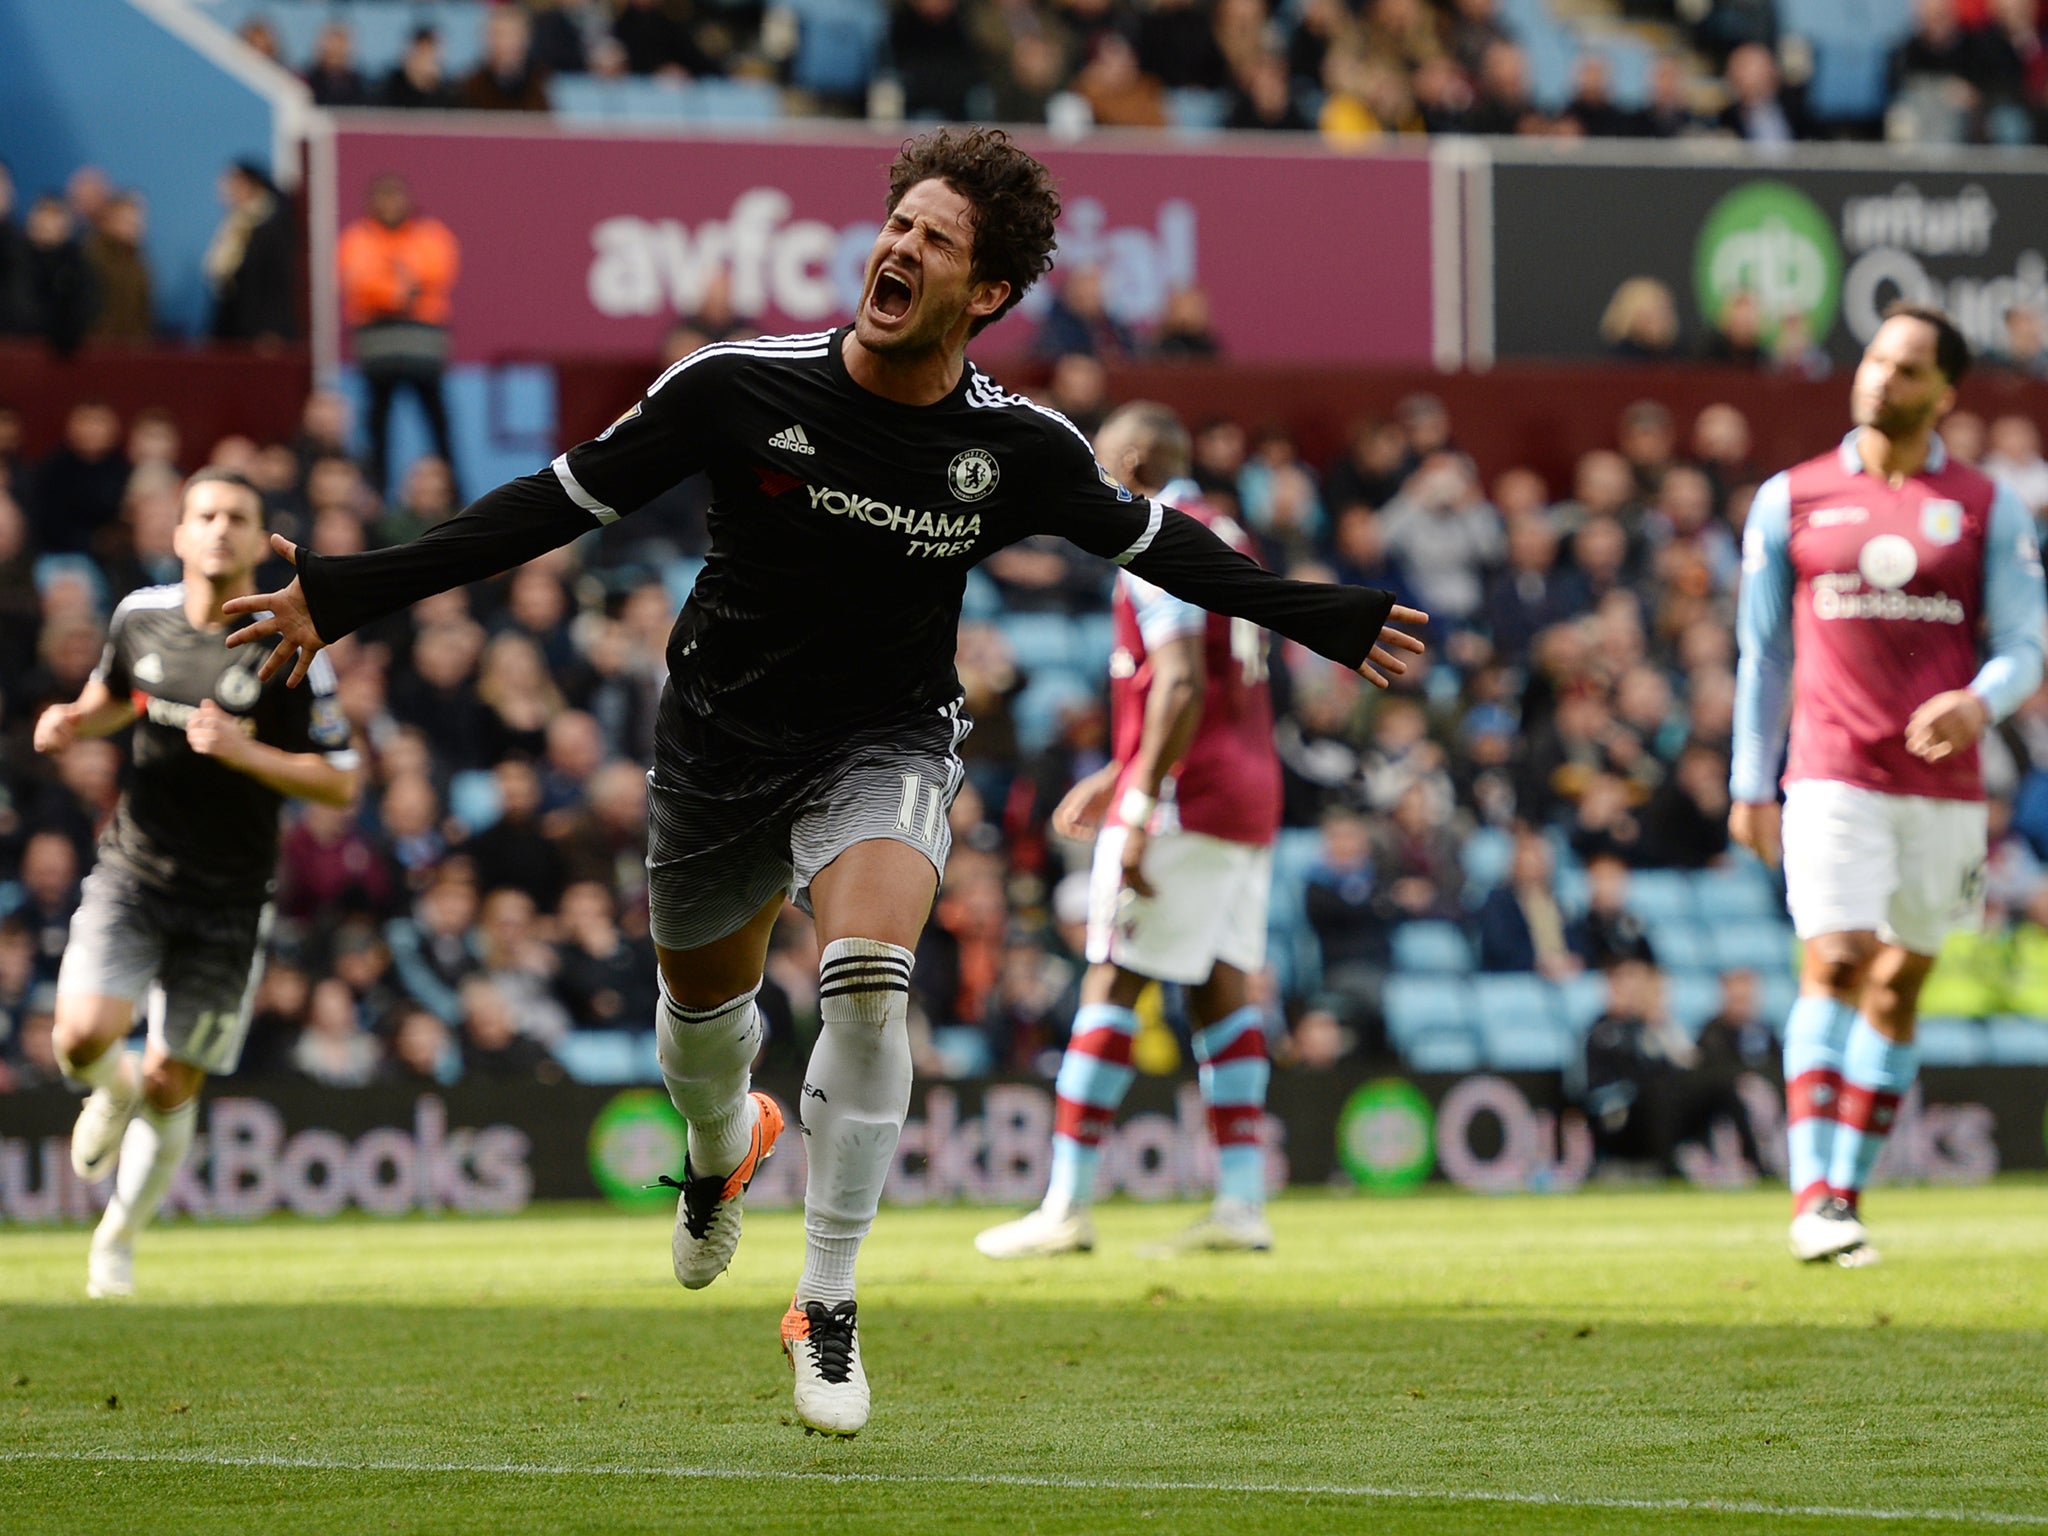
[[1758, 826], [213, 732], [1946, 724], [56, 728], [1383, 660], [285, 615], [1081, 809]]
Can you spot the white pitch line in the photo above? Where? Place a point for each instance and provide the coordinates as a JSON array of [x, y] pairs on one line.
[[1361, 1491]]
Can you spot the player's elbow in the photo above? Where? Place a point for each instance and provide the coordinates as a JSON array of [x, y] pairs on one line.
[[343, 789]]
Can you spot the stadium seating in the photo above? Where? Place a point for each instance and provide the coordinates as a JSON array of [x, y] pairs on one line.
[[609, 1056], [2016, 1042], [381, 28], [1415, 1005], [1432, 946], [1525, 1045], [1444, 1050], [1661, 896], [1765, 947], [1692, 1000], [588, 99]]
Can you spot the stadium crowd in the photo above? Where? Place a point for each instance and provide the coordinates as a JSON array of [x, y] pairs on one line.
[[1957, 70], [487, 897]]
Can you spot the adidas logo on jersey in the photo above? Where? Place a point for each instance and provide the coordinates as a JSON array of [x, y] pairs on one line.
[[791, 440], [150, 669]]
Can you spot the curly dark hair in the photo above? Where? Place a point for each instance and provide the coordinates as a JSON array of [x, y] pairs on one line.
[[1015, 206]]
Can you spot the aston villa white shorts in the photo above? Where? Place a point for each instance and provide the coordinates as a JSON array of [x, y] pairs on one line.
[[1210, 906], [1908, 868]]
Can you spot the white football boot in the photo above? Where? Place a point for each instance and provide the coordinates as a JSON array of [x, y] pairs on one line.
[[1232, 1226], [1826, 1230], [1042, 1234], [110, 1269], [708, 1209], [823, 1345]]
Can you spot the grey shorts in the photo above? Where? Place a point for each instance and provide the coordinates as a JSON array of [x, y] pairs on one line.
[[722, 843], [198, 965]]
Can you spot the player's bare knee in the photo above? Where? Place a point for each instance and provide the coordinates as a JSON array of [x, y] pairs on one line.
[[1840, 962], [167, 1084], [85, 1028]]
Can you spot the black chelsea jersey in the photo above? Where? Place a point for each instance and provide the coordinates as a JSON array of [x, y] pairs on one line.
[[843, 525], [187, 826]]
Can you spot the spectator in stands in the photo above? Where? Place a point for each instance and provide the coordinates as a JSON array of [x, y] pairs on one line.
[[1640, 323], [936, 62], [328, 865], [1721, 448], [1520, 925], [1349, 908], [420, 81], [251, 261], [1592, 107], [607, 839], [113, 248], [1670, 114], [397, 268], [1963, 434], [1608, 931], [1365, 100], [494, 1048], [1025, 81], [1531, 592], [334, 1049], [1262, 98], [605, 978], [513, 852], [256, 32], [1738, 1038], [17, 287], [513, 684], [1635, 1057], [434, 695], [435, 948], [2015, 460], [422, 1050], [1792, 351], [2024, 348], [1078, 323], [1759, 109], [333, 77], [1504, 105], [1737, 333], [76, 492], [61, 281], [519, 962], [1685, 824], [1359, 556], [507, 78], [1445, 535], [1184, 331], [565, 32], [656, 43], [49, 895], [413, 843]]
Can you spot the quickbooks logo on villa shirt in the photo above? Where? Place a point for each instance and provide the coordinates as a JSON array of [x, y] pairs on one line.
[[1770, 239]]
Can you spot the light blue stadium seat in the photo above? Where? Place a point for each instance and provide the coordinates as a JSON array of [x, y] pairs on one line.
[[2015, 1042], [609, 1056], [1486, 858], [584, 98], [381, 29], [1661, 896], [1514, 997], [1693, 1000], [963, 1049], [1093, 637], [1431, 946], [1296, 956], [732, 101], [1582, 1000], [1682, 946], [473, 798], [679, 577], [1037, 710], [1296, 851], [1779, 993], [1628, 66], [837, 43], [1415, 1004], [1571, 890], [298, 29], [1040, 639], [1952, 1043], [461, 25], [1524, 1045], [1851, 80], [1764, 947], [1196, 110], [1444, 1050], [1740, 893]]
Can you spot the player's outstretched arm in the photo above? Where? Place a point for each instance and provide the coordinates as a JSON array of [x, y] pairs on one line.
[[95, 712], [334, 595], [1356, 626]]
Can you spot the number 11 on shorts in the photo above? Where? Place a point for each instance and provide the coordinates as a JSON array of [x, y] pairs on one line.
[[915, 788]]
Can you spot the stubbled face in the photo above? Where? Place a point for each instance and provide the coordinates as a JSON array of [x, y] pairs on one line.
[[221, 534], [920, 278], [1899, 388]]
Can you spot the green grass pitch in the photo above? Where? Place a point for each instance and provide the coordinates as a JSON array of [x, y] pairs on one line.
[[1615, 1362]]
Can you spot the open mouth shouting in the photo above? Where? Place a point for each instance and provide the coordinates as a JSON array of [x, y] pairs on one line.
[[891, 297]]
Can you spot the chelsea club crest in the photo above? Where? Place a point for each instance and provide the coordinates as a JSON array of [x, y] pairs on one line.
[[972, 474], [237, 689]]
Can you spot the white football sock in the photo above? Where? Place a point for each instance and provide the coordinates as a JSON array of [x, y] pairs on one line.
[[707, 1059], [152, 1149], [856, 1094]]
